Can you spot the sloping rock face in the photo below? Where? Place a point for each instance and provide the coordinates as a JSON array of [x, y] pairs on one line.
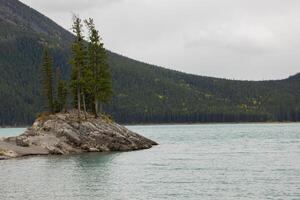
[[64, 134]]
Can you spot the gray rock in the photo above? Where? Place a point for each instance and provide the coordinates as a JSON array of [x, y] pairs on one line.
[[64, 134]]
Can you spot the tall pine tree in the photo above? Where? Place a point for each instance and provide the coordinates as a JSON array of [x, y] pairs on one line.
[[100, 81], [47, 77], [78, 62]]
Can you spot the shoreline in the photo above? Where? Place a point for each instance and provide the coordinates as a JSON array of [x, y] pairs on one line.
[[183, 123], [208, 123]]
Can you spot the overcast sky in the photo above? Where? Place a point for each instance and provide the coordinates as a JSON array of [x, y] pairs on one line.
[[236, 39]]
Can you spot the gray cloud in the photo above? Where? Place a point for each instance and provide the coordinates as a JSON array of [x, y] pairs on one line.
[[70, 5], [249, 39]]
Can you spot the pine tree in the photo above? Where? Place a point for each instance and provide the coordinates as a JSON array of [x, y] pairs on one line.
[[78, 62], [47, 80], [62, 92], [106, 92], [100, 81]]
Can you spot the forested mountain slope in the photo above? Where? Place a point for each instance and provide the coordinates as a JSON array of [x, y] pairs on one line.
[[142, 93]]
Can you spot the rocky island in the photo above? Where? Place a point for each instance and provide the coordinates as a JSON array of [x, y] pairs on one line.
[[64, 134], [87, 87]]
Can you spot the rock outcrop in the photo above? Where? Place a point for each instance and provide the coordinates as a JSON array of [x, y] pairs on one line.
[[62, 133]]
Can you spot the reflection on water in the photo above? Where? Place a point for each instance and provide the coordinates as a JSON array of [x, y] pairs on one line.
[[234, 161]]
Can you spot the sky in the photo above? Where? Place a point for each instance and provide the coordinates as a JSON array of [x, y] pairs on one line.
[[234, 39]]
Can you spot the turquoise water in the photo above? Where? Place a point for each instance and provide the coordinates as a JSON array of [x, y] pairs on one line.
[[7, 132], [231, 161]]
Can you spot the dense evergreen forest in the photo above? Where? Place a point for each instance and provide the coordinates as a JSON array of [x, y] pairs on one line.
[[143, 93]]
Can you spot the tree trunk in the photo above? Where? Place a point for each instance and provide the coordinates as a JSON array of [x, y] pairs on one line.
[[78, 92], [84, 106], [96, 107], [100, 107], [78, 101]]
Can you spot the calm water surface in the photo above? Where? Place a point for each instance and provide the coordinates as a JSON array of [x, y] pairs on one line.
[[232, 161]]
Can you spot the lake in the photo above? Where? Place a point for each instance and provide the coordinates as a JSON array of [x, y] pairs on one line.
[[210, 161]]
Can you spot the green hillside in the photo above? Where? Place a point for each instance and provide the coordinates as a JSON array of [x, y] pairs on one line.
[[142, 93]]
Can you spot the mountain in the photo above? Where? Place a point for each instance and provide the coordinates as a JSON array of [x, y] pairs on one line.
[[143, 93]]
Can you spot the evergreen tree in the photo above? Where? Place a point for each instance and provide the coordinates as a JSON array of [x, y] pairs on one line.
[[99, 81], [105, 93], [78, 62], [61, 91], [47, 80]]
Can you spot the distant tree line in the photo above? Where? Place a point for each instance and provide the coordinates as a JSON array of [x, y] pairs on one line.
[[89, 83], [143, 93]]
